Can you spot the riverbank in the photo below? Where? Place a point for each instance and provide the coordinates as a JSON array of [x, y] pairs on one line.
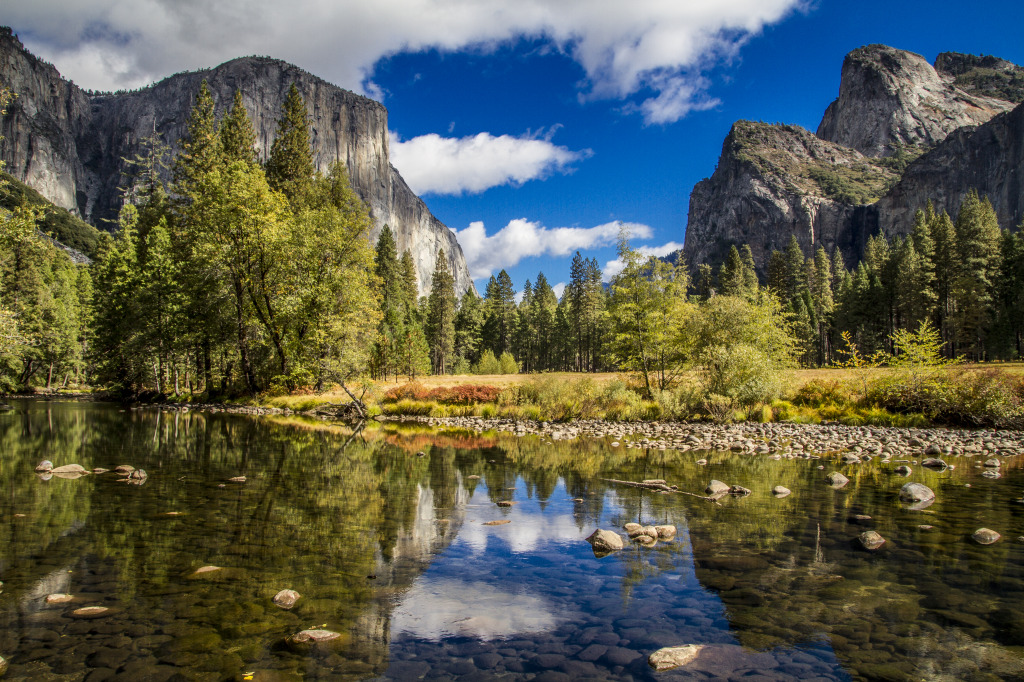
[[773, 439]]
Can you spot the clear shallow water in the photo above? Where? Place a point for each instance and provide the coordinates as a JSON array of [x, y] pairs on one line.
[[390, 549]]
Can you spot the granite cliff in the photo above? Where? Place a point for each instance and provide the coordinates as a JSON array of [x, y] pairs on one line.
[[901, 133], [70, 144]]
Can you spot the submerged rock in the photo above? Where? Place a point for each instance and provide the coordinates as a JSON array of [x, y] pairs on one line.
[[286, 598], [92, 612], [781, 491], [236, 479], [933, 463], [985, 536], [605, 541], [124, 469], [137, 477], [739, 491], [499, 522], [505, 503], [206, 570], [903, 470], [100, 470], [870, 540], [59, 598], [674, 656], [316, 640], [916, 492]]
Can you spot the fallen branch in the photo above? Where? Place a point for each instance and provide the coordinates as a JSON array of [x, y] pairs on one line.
[[661, 487]]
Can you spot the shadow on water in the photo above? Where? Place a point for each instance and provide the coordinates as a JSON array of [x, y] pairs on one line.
[[395, 539]]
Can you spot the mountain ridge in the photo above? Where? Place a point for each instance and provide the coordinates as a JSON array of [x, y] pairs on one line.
[[70, 144]]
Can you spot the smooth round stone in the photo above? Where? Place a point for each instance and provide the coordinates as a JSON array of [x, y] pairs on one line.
[[605, 541], [665, 532], [916, 492], [206, 570], [716, 487], [631, 528], [286, 598], [644, 539], [985, 536], [837, 480], [781, 491], [933, 463], [92, 612], [674, 656], [124, 469], [45, 465], [318, 640], [870, 540], [903, 470], [59, 598]]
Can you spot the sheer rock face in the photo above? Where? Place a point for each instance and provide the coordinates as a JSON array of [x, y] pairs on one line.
[[763, 192], [890, 98], [989, 158], [840, 186], [70, 145]]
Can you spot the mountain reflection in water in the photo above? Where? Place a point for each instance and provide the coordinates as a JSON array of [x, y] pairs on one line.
[[391, 550]]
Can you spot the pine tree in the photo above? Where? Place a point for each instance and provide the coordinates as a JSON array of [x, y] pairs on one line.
[[795, 273], [237, 136], [978, 253], [441, 316], [290, 166]]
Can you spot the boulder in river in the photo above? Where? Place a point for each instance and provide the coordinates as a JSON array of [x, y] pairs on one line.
[[605, 541], [124, 469], [665, 532], [739, 491], [92, 612], [992, 463], [934, 463], [781, 491], [45, 465], [717, 488], [870, 540], [916, 492], [236, 479], [985, 536], [837, 480], [631, 527], [674, 656], [59, 598], [286, 598], [903, 470]]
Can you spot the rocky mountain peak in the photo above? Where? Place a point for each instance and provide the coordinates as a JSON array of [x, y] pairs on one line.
[[71, 145], [890, 100]]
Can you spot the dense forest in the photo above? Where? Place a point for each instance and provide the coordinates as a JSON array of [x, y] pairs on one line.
[[243, 275]]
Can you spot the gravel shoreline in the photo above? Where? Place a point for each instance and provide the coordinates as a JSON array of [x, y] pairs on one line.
[[773, 438]]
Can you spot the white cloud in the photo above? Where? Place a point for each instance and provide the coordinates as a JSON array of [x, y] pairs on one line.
[[653, 51], [522, 238], [432, 164], [614, 267]]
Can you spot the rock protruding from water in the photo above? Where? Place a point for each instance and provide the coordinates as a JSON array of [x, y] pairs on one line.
[[45, 465], [870, 540], [59, 598], [837, 480], [716, 487], [206, 570], [781, 491], [124, 469], [87, 612], [605, 542], [674, 656], [3, 666], [985, 536], [286, 599], [665, 532], [934, 463], [916, 492]]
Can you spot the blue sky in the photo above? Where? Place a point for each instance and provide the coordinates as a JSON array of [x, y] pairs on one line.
[[529, 126]]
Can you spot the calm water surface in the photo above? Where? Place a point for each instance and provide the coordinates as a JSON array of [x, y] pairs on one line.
[[382, 532]]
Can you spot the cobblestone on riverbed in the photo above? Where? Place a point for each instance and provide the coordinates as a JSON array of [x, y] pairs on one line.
[[773, 438]]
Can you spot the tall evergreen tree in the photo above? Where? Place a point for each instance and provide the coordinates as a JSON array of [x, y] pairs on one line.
[[441, 316], [290, 166]]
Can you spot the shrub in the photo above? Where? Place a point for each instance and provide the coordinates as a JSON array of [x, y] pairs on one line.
[[412, 391], [681, 402], [488, 364], [988, 398], [820, 392], [744, 374], [508, 364]]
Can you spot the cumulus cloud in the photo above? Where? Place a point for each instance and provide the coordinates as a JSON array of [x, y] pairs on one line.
[[522, 238], [614, 267], [650, 52], [432, 164]]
